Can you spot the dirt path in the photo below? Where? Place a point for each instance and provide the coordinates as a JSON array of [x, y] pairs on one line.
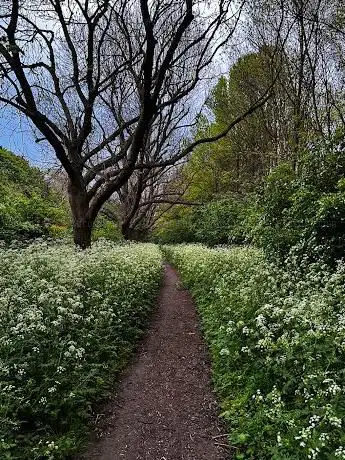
[[164, 408]]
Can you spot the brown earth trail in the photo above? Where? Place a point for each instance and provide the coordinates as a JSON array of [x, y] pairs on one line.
[[164, 407]]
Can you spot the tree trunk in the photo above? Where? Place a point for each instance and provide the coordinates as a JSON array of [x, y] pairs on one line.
[[132, 233], [82, 224], [82, 235], [126, 231]]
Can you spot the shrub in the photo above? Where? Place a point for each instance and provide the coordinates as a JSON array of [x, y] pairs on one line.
[[175, 227], [222, 221], [275, 232], [306, 208], [215, 222], [28, 207], [105, 228]]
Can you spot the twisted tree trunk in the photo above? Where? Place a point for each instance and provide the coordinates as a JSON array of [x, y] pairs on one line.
[[82, 223]]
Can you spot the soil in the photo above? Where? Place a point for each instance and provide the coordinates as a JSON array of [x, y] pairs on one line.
[[163, 407]]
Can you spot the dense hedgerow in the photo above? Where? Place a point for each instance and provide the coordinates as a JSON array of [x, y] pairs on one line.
[[304, 207], [68, 320], [277, 341]]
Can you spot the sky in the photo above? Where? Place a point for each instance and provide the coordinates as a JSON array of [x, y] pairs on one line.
[[16, 135]]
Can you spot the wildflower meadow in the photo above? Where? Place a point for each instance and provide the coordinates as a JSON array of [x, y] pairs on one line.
[[277, 341], [68, 322]]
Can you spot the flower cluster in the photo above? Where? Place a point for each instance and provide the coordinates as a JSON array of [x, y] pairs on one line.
[[68, 321], [277, 340]]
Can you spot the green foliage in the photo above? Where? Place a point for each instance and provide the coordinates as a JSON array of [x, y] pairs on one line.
[[215, 223], [17, 170], [276, 232], [276, 339], [68, 321], [222, 221], [209, 171], [28, 208], [175, 227], [300, 210], [104, 228], [306, 208], [237, 162], [225, 175]]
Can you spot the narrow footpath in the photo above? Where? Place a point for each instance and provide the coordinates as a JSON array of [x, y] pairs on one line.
[[164, 407]]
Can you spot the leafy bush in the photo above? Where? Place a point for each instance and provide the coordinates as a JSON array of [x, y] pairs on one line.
[[175, 227], [105, 228], [223, 221], [215, 222], [68, 320], [28, 208], [276, 233], [277, 345], [307, 207]]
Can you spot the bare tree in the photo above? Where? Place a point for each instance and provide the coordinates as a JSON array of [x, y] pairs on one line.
[[310, 34], [137, 202], [149, 195], [94, 75]]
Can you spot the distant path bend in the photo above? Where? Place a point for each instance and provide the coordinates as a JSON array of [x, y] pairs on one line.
[[164, 408]]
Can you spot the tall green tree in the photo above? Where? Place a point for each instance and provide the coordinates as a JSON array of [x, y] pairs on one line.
[[241, 159]]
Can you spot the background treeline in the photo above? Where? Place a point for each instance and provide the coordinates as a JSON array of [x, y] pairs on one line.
[[302, 208], [269, 181]]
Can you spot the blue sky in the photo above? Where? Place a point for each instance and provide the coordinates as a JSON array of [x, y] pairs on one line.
[[16, 135]]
